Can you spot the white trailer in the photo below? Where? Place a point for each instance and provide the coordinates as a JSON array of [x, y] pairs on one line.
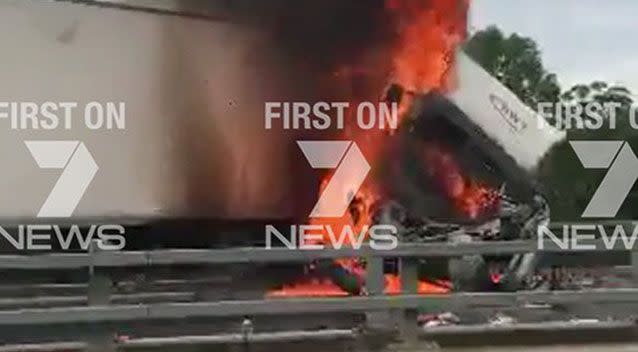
[[193, 142]]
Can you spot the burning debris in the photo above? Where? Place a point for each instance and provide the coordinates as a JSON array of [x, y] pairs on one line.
[[311, 287]]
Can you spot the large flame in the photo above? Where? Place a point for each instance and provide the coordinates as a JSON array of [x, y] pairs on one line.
[[470, 197], [314, 287], [428, 33]]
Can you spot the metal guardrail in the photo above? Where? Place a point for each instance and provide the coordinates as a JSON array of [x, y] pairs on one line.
[[322, 335], [265, 255], [59, 301], [292, 306], [225, 339]]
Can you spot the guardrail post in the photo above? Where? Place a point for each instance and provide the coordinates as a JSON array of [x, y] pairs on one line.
[[375, 284], [99, 293], [375, 281], [634, 266], [408, 327]]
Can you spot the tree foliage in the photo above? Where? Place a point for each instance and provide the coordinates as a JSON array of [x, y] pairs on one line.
[[516, 61]]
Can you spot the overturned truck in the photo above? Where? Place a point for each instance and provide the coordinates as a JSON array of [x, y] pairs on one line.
[[467, 170], [462, 167]]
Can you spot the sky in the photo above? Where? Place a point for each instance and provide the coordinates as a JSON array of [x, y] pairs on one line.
[[580, 40]]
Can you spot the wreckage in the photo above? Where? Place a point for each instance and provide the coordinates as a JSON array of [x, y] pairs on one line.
[[482, 147], [462, 167]]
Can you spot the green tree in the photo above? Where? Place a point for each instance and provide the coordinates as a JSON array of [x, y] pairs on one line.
[[597, 91], [516, 61]]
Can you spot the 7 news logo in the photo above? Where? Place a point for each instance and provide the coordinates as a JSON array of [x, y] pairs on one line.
[[619, 160], [622, 171], [351, 170], [78, 170]]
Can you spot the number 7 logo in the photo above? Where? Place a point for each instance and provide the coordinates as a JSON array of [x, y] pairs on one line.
[[78, 169], [622, 171], [351, 169]]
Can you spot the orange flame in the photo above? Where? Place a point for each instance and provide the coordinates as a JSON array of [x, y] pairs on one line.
[[326, 288], [393, 286], [428, 35], [469, 196], [309, 288]]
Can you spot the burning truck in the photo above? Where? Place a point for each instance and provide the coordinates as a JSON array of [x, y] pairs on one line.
[[461, 167], [479, 147]]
